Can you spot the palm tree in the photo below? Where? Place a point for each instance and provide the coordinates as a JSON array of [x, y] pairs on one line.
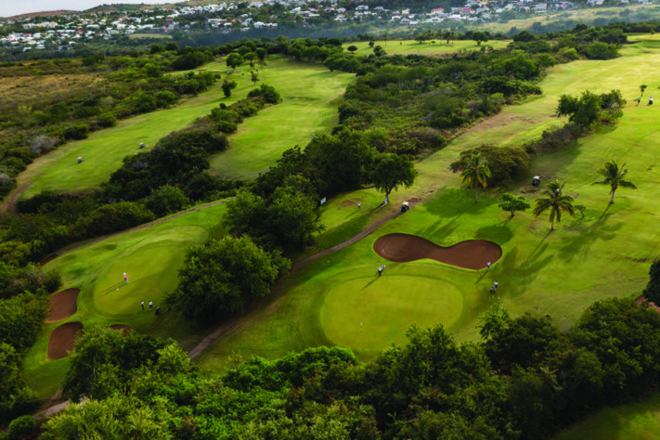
[[613, 175], [476, 172], [555, 201]]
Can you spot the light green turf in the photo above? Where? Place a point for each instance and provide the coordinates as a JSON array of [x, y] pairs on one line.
[[310, 97], [151, 257], [634, 421], [586, 259], [440, 47], [363, 311]]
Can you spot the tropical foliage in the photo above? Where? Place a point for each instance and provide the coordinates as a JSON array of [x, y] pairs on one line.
[[475, 173], [613, 175], [554, 200]]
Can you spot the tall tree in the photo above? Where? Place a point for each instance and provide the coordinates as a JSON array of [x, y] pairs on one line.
[[234, 60], [392, 172], [475, 173], [613, 176], [554, 200]]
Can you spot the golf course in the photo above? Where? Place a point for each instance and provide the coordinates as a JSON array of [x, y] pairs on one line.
[[440, 258]]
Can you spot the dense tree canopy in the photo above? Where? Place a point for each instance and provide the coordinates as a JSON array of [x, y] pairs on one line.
[[219, 277]]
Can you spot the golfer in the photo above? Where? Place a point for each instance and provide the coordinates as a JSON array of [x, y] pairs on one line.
[[151, 305], [488, 266], [142, 304], [125, 277], [495, 284]]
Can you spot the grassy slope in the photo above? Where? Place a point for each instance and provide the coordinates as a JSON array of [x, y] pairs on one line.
[[560, 273], [310, 97], [151, 257], [104, 150], [634, 421], [440, 47]]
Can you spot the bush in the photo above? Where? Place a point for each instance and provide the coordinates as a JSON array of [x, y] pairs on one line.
[[113, 218], [166, 200], [43, 143], [269, 94], [652, 291], [602, 51], [106, 121], [166, 99], [21, 427], [506, 164], [76, 132]]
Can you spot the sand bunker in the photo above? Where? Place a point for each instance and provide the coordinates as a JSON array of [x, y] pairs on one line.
[[63, 305], [62, 340], [124, 327], [470, 254]]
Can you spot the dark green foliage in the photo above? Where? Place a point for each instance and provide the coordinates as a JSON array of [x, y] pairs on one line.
[[227, 86], [219, 277], [392, 172], [512, 204], [113, 218], [15, 397], [234, 60], [21, 320], [652, 291], [21, 428], [480, 37], [506, 164], [167, 200], [193, 58], [602, 51], [524, 36], [104, 359], [590, 107], [76, 132], [268, 93]]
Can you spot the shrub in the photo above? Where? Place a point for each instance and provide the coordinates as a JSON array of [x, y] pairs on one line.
[[602, 51], [269, 94], [113, 218], [43, 143], [506, 164], [106, 121], [21, 427], [652, 291], [166, 99], [76, 132], [166, 200]]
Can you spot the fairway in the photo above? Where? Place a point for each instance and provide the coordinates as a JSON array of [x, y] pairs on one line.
[[365, 311], [310, 103], [310, 94], [440, 47], [559, 273]]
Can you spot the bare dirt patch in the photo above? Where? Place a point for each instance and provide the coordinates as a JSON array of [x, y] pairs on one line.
[[125, 328], [642, 299], [62, 340], [63, 305], [470, 254]]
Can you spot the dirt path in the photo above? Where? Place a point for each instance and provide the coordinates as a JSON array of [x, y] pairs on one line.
[[146, 225], [12, 202], [222, 329]]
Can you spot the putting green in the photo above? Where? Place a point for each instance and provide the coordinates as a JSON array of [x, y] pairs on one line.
[[371, 312], [151, 270]]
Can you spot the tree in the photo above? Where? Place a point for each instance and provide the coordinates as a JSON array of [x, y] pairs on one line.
[[292, 218], [352, 48], [583, 110], [652, 290], [448, 35], [261, 54], [234, 60], [641, 89], [379, 51], [511, 203], [475, 173], [613, 176], [227, 86], [255, 77], [391, 172], [218, 277], [479, 37], [371, 44], [555, 201], [166, 200]]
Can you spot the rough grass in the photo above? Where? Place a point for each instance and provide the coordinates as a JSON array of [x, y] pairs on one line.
[[559, 273], [440, 47], [151, 257]]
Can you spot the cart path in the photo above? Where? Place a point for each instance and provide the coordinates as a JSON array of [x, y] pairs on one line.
[[12, 202], [136, 228], [222, 329]]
